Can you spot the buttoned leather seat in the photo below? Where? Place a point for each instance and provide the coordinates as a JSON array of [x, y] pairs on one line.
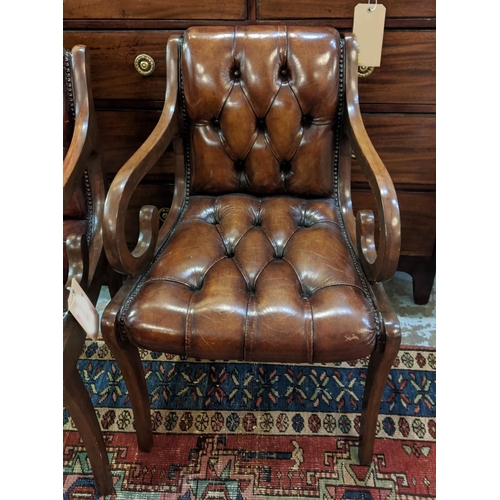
[[260, 279], [259, 259]]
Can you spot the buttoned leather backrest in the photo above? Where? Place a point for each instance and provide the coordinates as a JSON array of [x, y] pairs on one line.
[[262, 104]]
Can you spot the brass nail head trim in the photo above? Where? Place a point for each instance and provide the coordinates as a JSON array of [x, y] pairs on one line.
[[144, 64]]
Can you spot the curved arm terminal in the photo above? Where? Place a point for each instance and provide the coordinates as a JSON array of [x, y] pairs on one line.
[[127, 179], [379, 263]]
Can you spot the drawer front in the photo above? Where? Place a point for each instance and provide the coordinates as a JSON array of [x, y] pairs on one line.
[[154, 9], [407, 72], [122, 133], [407, 146], [112, 56], [339, 9], [418, 220]]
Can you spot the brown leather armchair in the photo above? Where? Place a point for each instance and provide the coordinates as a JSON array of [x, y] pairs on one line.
[[261, 257], [83, 256]]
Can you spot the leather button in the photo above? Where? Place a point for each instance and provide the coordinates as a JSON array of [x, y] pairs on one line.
[[284, 73], [216, 123], [261, 124], [306, 120], [230, 253], [257, 223], [285, 169], [236, 73], [239, 166]]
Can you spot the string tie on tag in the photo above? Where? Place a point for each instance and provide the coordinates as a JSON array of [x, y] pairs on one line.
[[375, 6]]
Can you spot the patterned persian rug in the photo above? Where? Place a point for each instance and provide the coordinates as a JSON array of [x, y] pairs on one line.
[[258, 431]]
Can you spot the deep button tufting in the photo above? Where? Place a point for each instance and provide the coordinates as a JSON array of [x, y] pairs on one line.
[[286, 169], [306, 120], [306, 291], [216, 123], [225, 319], [254, 67], [257, 222], [239, 166]]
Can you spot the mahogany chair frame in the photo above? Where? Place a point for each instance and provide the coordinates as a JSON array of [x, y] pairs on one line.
[[378, 256], [86, 260]]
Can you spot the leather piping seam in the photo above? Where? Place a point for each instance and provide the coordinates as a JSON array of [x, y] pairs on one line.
[[121, 330], [379, 331], [151, 280], [326, 221], [310, 351], [187, 331], [302, 291], [352, 285], [289, 238]]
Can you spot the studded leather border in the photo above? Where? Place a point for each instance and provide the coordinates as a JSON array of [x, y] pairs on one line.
[[380, 338], [68, 84]]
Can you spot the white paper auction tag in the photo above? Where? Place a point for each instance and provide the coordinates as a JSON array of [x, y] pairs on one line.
[[368, 26], [80, 306]]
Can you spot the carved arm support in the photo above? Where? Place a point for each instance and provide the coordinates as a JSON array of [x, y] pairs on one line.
[[378, 263], [82, 157], [83, 140], [129, 176]]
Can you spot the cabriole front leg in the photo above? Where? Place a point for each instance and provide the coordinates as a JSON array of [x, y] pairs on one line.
[[379, 367], [129, 361]]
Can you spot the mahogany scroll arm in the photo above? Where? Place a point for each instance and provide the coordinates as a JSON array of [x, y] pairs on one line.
[[83, 140], [82, 158], [379, 263], [129, 176]]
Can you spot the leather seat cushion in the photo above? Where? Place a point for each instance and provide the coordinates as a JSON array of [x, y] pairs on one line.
[[259, 279]]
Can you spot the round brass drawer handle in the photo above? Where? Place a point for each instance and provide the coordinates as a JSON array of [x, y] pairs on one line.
[[144, 64], [163, 212], [364, 71]]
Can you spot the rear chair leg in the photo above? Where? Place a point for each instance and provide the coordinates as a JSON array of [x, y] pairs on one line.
[[76, 400], [378, 371], [129, 362]]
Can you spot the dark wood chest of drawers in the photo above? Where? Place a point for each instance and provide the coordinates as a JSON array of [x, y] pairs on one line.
[[398, 100]]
